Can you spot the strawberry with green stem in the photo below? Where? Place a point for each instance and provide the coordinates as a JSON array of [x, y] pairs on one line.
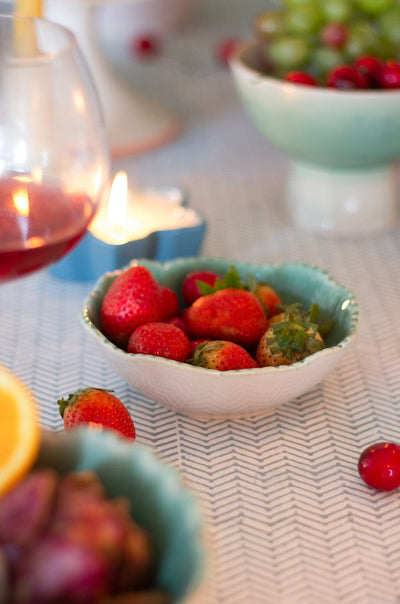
[[291, 337], [96, 406], [227, 311], [190, 285]]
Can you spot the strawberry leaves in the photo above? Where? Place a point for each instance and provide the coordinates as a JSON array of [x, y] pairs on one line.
[[297, 332], [96, 406], [231, 280], [74, 396]]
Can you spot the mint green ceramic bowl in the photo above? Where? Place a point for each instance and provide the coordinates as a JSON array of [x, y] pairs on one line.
[[342, 145], [158, 498], [199, 392]]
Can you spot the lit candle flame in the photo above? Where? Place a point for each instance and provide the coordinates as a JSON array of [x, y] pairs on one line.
[[117, 209], [128, 215]]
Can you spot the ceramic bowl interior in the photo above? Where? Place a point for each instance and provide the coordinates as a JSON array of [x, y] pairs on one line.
[[199, 392], [351, 129], [158, 499]]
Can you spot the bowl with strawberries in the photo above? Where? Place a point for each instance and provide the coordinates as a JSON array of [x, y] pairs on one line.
[[321, 81], [212, 338]]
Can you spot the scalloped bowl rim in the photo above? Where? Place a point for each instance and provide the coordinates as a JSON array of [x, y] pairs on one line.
[[185, 367]]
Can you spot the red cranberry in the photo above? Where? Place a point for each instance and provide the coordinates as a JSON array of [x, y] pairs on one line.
[[145, 47], [369, 67], [300, 77], [346, 77], [389, 75], [334, 35], [379, 466]]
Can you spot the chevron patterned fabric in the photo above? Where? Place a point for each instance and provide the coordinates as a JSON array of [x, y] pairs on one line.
[[287, 519]]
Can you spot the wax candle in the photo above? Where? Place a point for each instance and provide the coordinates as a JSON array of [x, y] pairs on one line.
[[153, 223], [131, 214]]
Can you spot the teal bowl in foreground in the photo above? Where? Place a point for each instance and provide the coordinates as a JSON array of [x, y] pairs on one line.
[[158, 499]]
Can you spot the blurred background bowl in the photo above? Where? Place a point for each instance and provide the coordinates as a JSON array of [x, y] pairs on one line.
[[136, 123], [342, 146], [199, 392], [123, 21], [159, 501]]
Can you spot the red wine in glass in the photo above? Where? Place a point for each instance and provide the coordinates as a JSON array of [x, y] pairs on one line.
[[54, 154], [39, 223]]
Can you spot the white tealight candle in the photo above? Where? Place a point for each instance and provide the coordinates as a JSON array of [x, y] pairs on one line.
[[132, 214], [151, 224]]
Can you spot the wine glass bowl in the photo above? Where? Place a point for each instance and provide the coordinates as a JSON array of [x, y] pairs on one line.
[[342, 147], [54, 158]]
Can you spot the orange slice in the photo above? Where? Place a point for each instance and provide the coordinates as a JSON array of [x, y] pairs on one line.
[[19, 430]]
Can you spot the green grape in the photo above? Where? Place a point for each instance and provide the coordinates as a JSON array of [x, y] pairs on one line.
[[384, 49], [289, 52], [375, 7], [361, 41], [337, 11], [303, 20], [296, 39], [296, 3], [323, 59], [269, 24], [389, 24]]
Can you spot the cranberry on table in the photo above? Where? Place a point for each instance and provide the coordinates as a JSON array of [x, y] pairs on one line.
[[379, 466]]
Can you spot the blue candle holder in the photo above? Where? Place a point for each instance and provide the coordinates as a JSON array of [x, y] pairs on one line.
[[92, 257]]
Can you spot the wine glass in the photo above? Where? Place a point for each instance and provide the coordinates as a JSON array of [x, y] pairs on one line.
[[54, 155]]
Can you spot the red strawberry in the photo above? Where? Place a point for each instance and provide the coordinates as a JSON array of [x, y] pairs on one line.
[[179, 322], [195, 343], [160, 340], [96, 406], [132, 299], [190, 288], [228, 314], [269, 299], [169, 302], [222, 356]]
